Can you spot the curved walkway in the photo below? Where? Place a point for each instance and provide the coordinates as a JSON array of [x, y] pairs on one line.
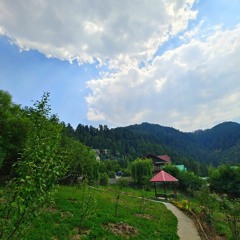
[[186, 227]]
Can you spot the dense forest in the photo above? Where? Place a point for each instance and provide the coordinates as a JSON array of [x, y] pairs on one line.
[[215, 146]]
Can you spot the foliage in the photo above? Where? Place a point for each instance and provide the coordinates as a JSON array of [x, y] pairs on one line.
[[141, 170], [231, 210], [208, 203], [87, 204], [38, 169], [218, 214], [110, 167], [81, 160], [187, 180], [183, 204], [172, 170], [195, 150], [14, 127], [104, 179], [226, 179]]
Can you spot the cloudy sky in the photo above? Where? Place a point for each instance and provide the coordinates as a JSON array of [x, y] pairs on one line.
[[174, 63]]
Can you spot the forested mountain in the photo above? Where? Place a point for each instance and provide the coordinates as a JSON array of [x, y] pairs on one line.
[[220, 144]]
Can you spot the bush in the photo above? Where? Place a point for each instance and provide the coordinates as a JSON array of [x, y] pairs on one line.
[[226, 179], [104, 179], [187, 180]]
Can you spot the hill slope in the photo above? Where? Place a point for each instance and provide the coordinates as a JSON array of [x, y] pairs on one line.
[[220, 144]]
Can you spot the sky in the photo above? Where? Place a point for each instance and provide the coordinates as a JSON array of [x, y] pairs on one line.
[[118, 63]]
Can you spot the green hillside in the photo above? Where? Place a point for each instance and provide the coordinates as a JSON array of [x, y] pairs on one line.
[[220, 144]]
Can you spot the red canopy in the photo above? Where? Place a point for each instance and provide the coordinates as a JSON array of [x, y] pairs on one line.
[[162, 176]]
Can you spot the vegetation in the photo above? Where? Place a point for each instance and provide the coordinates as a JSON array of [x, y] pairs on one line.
[[141, 170], [37, 152], [104, 179], [231, 210], [37, 171], [217, 215], [14, 127], [35, 162], [226, 179], [61, 220], [188, 181], [195, 150]]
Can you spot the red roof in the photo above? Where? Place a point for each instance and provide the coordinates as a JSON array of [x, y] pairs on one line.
[[162, 176], [166, 158]]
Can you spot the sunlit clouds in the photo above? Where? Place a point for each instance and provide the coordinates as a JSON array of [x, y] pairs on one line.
[[125, 62]]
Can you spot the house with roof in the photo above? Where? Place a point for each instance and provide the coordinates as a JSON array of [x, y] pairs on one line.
[[158, 161]]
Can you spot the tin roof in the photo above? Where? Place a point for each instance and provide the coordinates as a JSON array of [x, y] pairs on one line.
[[162, 158], [163, 176], [166, 158]]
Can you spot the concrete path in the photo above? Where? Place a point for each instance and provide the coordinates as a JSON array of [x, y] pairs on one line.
[[186, 227]]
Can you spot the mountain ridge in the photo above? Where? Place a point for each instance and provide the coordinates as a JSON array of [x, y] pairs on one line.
[[217, 145]]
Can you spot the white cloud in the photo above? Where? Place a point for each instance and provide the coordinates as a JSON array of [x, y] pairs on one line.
[[193, 86], [111, 30]]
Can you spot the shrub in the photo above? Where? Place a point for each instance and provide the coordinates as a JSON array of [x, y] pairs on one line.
[[187, 180], [104, 179]]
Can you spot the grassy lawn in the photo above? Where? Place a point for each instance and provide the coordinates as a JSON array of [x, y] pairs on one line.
[[112, 216]]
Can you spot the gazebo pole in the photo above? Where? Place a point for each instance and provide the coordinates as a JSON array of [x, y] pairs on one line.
[[155, 190], [175, 190], [164, 184]]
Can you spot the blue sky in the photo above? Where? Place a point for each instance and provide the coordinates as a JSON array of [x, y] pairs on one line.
[[174, 63]]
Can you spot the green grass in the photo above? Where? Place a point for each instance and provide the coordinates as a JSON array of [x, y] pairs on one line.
[[61, 220], [136, 191]]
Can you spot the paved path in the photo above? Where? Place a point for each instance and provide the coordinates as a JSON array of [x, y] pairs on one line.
[[186, 227]]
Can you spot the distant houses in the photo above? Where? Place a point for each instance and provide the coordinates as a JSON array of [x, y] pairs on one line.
[[160, 161]]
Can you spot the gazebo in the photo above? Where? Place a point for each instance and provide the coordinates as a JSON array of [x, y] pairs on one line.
[[163, 177]]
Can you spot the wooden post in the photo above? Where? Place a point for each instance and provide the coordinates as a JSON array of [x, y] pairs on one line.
[[175, 190], [155, 190], [164, 184]]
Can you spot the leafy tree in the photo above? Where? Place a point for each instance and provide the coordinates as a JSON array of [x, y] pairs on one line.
[[14, 126], [173, 170], [38, 170], [189, 181], [87, 204], [226, 179], [141, 170], [81, 159], [110, 167]]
